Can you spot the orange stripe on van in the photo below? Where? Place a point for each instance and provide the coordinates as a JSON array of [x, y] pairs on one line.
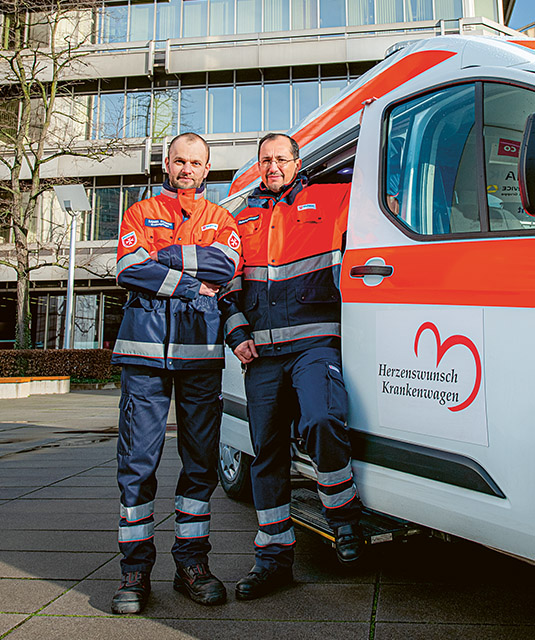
[[396, 75], [529, 44], [489, 273]]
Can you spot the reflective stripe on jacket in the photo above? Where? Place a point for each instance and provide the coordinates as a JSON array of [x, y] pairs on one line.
[[288, 298], [168, 245]]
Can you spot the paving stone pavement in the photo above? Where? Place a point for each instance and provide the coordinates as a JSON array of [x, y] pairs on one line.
[[59, 563]]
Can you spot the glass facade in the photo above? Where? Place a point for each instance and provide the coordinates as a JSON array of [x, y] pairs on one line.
[[96, 319], [137, 21], [207, 107]]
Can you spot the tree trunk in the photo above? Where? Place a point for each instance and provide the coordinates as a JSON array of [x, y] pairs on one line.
[[23, 338]]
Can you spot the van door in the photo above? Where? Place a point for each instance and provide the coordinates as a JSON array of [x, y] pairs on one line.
[[438, 285]]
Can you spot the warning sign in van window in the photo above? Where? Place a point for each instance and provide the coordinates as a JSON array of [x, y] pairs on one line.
[[509, 148]]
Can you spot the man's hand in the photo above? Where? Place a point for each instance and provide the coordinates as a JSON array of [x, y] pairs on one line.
[[246, 352], [208, 289]]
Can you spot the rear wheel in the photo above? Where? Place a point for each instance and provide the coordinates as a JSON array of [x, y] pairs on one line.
[[233, 470]]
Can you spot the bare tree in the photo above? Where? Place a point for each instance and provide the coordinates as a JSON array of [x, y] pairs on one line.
[[41, 118]]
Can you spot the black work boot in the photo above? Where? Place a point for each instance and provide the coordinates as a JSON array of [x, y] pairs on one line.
[[132, 594], [349, 543], [199, 584], [260, 581]]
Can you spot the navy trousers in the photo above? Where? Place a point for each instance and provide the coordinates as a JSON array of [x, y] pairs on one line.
[[272, 384], [145, 399]]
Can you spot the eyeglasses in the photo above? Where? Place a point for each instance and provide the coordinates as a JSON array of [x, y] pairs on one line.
[[280, 162]]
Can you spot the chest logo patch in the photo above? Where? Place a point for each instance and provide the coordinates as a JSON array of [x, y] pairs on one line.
[[304, 207], [250, 219], [212, 225], [158, 222], [129, 240], [234, 240]]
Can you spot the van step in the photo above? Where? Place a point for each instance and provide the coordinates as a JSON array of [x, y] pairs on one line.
[[377, 527]]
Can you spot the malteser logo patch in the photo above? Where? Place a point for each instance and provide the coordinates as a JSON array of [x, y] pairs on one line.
[[234, 240], [129, 240], [303, 207], [212, 225]]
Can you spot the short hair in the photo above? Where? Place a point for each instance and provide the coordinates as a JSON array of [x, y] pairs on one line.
[[272, 136], [191, 137]]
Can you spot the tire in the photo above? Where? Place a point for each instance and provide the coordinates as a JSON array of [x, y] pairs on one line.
[[233, 471]]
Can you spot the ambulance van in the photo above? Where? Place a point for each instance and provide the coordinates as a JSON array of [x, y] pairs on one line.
[[438, 291]]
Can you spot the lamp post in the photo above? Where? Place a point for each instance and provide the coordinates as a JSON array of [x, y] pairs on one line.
[[72, 199]]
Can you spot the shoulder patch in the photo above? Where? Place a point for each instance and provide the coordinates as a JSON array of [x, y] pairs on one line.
[[234, 240], [129, 240]]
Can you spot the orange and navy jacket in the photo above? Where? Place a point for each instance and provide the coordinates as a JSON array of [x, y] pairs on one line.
[[168, 245], [286, 297]]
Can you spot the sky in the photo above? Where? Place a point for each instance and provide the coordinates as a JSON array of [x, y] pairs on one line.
[[523, 14]]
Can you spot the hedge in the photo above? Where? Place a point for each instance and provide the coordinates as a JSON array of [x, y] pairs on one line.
[[77, 363]]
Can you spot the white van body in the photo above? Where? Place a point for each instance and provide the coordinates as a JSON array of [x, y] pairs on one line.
[[438, 287]]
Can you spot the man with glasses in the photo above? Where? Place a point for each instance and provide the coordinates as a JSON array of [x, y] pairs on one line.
[[283, 323]]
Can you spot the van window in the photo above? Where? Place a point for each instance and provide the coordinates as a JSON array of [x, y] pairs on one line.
[[431, 161], [431, 171], [505, 110]]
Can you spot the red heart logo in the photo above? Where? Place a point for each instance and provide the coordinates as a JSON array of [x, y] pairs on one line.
[[442, 347]]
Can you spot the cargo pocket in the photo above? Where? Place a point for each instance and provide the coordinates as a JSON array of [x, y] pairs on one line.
[[124, 442], [336, 394]]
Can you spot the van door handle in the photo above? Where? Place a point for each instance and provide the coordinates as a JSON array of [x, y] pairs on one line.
[[363, 270]]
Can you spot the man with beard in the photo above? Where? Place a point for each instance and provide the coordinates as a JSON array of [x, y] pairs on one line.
[[175, 252]]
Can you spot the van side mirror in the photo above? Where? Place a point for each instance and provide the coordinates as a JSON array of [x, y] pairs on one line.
[[526, 166]]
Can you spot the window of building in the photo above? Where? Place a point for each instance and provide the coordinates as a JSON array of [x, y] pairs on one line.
[[486, 8], [168, 20], [332, 13], [113, 23], [108, 118], [362, 12], [221, 17], [216, 191], [330, 88], [113, 313], [106, 209], [450, 9], [305, 14], [85, 321], [165, 113], [8, 314], [277, 15], [220, 111], [195, 18], [389, 11], [419, 9], [55, 322], [249, 15], [249, 108], [305, 99], [138, 119], [141, 21], [277, 106], [192, 110]]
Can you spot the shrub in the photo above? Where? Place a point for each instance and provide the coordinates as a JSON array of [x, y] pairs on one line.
[[77, 363]]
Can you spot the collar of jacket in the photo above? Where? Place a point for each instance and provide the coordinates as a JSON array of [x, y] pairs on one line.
[[287, 194], [186, 197]]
